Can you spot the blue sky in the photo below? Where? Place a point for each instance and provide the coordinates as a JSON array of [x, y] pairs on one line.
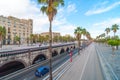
[[94, 15]]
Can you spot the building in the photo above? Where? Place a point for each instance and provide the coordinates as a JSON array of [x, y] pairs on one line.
[[53, 34], [16, 27]]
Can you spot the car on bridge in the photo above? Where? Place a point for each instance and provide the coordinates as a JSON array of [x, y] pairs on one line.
[[41, 71]]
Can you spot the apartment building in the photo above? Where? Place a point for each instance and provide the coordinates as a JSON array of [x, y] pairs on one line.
[[16, 27], [53, 34]]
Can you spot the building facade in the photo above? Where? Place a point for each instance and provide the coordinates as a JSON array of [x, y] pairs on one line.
[[53, 34], [16, 27]]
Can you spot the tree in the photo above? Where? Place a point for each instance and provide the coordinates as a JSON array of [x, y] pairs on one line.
[[49, 7], [17, 39], [47, 38], [60, 38], [113, 43], [114, 28], [31, 38], [88, 35], [35, 38], [84, 32], [2, 34], [27, 39], [107, 31], [78, 33], [56, 38]]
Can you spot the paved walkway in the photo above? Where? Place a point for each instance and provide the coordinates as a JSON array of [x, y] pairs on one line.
[[15, 47], [111, 59], [85, 67]]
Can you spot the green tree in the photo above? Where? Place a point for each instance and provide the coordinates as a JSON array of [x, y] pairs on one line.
[[113, 43], [114, 28], [27, 39], [2, 34], [17, 39], [49, 7], [56, 38], [84, 32], [60, 38], [78, 33], [88, 35], [47, 38], [35, 38], [31, 38]]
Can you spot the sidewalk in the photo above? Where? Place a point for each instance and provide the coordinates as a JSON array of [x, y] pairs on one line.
[[85, 67], [113, 60], [15, 47]]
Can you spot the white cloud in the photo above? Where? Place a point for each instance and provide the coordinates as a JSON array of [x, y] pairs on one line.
[[29, 9], [99, 28], [108, 23], [102, 9], [71, 8]]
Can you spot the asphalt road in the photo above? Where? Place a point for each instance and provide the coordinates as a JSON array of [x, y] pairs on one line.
[[29, 75], [86, 66]]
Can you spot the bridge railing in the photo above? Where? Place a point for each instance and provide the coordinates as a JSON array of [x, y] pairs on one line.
[[22, 51]]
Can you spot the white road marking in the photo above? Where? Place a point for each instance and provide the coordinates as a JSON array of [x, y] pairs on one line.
[[84, 66]]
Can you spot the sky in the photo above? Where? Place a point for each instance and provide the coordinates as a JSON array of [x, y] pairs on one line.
[[93, 15]]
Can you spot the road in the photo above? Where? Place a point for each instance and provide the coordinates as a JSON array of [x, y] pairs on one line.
[[29, 75], [86, 66]]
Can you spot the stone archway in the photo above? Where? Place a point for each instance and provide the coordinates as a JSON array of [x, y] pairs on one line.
[[74, 47], [67, 49], [39, 58], [62, 51], [11, 66], [54, 53]]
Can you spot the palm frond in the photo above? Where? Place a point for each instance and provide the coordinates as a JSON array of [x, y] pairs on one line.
[[43, 1], [43, 9]]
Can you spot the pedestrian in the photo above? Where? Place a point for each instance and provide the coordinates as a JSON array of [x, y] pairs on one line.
[[70, 56]]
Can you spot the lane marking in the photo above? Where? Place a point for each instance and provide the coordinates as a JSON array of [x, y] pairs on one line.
[[84, 66]]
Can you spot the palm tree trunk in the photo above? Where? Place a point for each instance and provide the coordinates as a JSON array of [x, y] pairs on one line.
[[50, 50], [114, 34], [78, 45], [0, 41]]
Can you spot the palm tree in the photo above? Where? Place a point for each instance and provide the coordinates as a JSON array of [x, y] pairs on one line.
[[88, 35], [35, 38], [50, 9], [107, 31], [78, 33], [84, 32], [115, 27], [2, 34]]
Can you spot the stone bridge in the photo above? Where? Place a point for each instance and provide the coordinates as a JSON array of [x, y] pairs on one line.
[[27, 57]]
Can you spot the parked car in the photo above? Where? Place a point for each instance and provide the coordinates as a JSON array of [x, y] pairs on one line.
[[41, 71]]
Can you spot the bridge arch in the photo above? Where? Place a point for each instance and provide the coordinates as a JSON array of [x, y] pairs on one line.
[[62, 50], [11, 66], [54, 53], [67, 49], [39, 58], [74, 47]]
